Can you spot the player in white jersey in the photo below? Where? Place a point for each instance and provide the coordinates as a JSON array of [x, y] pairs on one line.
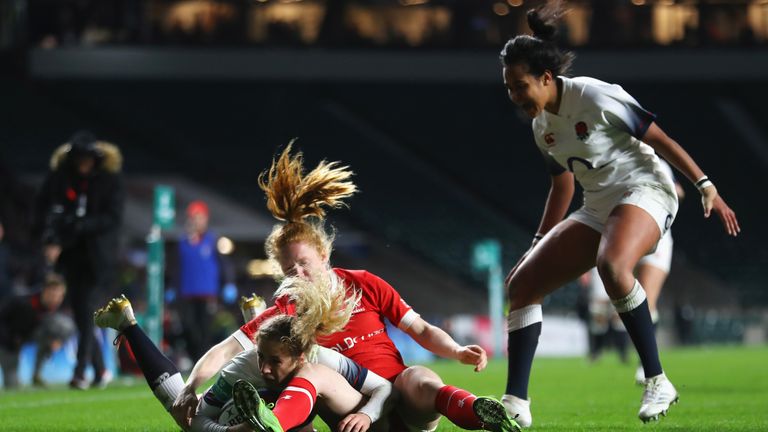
[[317, 371], [598, 134]]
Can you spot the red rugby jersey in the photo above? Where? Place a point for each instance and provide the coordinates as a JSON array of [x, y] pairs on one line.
[[364, 339]]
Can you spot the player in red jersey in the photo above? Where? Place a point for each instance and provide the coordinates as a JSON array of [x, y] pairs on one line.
[[287, 367], [302, 247]]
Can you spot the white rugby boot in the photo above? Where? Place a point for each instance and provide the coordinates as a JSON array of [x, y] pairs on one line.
[[658, 396], [518, 409]]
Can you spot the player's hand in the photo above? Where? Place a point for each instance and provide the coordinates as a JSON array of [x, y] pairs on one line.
[[356, 422], [184, 406], [711, 201], [473, 355]]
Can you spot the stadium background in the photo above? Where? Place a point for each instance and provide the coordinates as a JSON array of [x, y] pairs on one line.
[[200, 94]]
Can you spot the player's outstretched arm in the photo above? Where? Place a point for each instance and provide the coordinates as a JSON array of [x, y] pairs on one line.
[[680, 159], [373, 385], [183, 408], [442, 344]]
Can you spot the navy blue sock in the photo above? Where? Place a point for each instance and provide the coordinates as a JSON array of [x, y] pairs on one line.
[[521, 347], [641, 330], [151, 361]]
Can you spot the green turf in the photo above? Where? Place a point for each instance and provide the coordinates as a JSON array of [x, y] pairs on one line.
[[721, 389]]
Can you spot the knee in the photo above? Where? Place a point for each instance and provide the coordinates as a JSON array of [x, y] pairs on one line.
[[519, 290], [419, 382], [614, 273]]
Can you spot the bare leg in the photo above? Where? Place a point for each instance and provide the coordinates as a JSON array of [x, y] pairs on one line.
[[652, 279], [418, 387], [567, 252], [630, 233], [564, 254]]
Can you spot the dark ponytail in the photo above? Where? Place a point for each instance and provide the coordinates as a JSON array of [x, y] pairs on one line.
[[543, 26], [539, 51]]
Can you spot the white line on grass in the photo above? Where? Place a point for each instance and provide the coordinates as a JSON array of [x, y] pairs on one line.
[[67, 401]]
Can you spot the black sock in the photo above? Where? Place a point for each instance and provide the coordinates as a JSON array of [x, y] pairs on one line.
[[521, 347], [640, 328], [151, 361]]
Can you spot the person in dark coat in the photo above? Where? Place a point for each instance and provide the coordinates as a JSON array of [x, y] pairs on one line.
[[79, 212]]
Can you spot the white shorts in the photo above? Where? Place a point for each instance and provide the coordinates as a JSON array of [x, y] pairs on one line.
[[661, 206], [662, 257]]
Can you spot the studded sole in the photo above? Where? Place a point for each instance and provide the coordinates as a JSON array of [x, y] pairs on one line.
[[247, 402], [493, 415], [663, 413]]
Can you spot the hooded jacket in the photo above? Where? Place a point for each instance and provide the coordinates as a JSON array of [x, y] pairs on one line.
[[82, 214]]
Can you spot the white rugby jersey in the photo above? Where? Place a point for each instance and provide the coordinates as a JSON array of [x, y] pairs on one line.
[[596, 135], [245, 366]]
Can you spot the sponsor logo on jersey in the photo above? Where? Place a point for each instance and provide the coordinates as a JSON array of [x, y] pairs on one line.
[[350, 342], [358, 308], [582, 132], [549, 139]]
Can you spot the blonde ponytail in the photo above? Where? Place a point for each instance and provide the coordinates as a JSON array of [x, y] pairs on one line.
[[323, 305]]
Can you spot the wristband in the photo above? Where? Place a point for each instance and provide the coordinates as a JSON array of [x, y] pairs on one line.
[[703, 183]]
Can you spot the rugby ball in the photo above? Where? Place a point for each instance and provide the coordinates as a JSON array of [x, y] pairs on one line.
[[229, 415]]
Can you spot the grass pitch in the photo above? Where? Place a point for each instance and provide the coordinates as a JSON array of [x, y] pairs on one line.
[[721, 389]]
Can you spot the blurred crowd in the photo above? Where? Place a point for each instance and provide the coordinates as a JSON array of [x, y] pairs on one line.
[[389, 24]]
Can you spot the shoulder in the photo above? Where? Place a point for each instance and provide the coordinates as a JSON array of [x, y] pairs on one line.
[[356, 277], [589, 92], [318, 371], [370, 285], [240, 366], [607, 96]]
